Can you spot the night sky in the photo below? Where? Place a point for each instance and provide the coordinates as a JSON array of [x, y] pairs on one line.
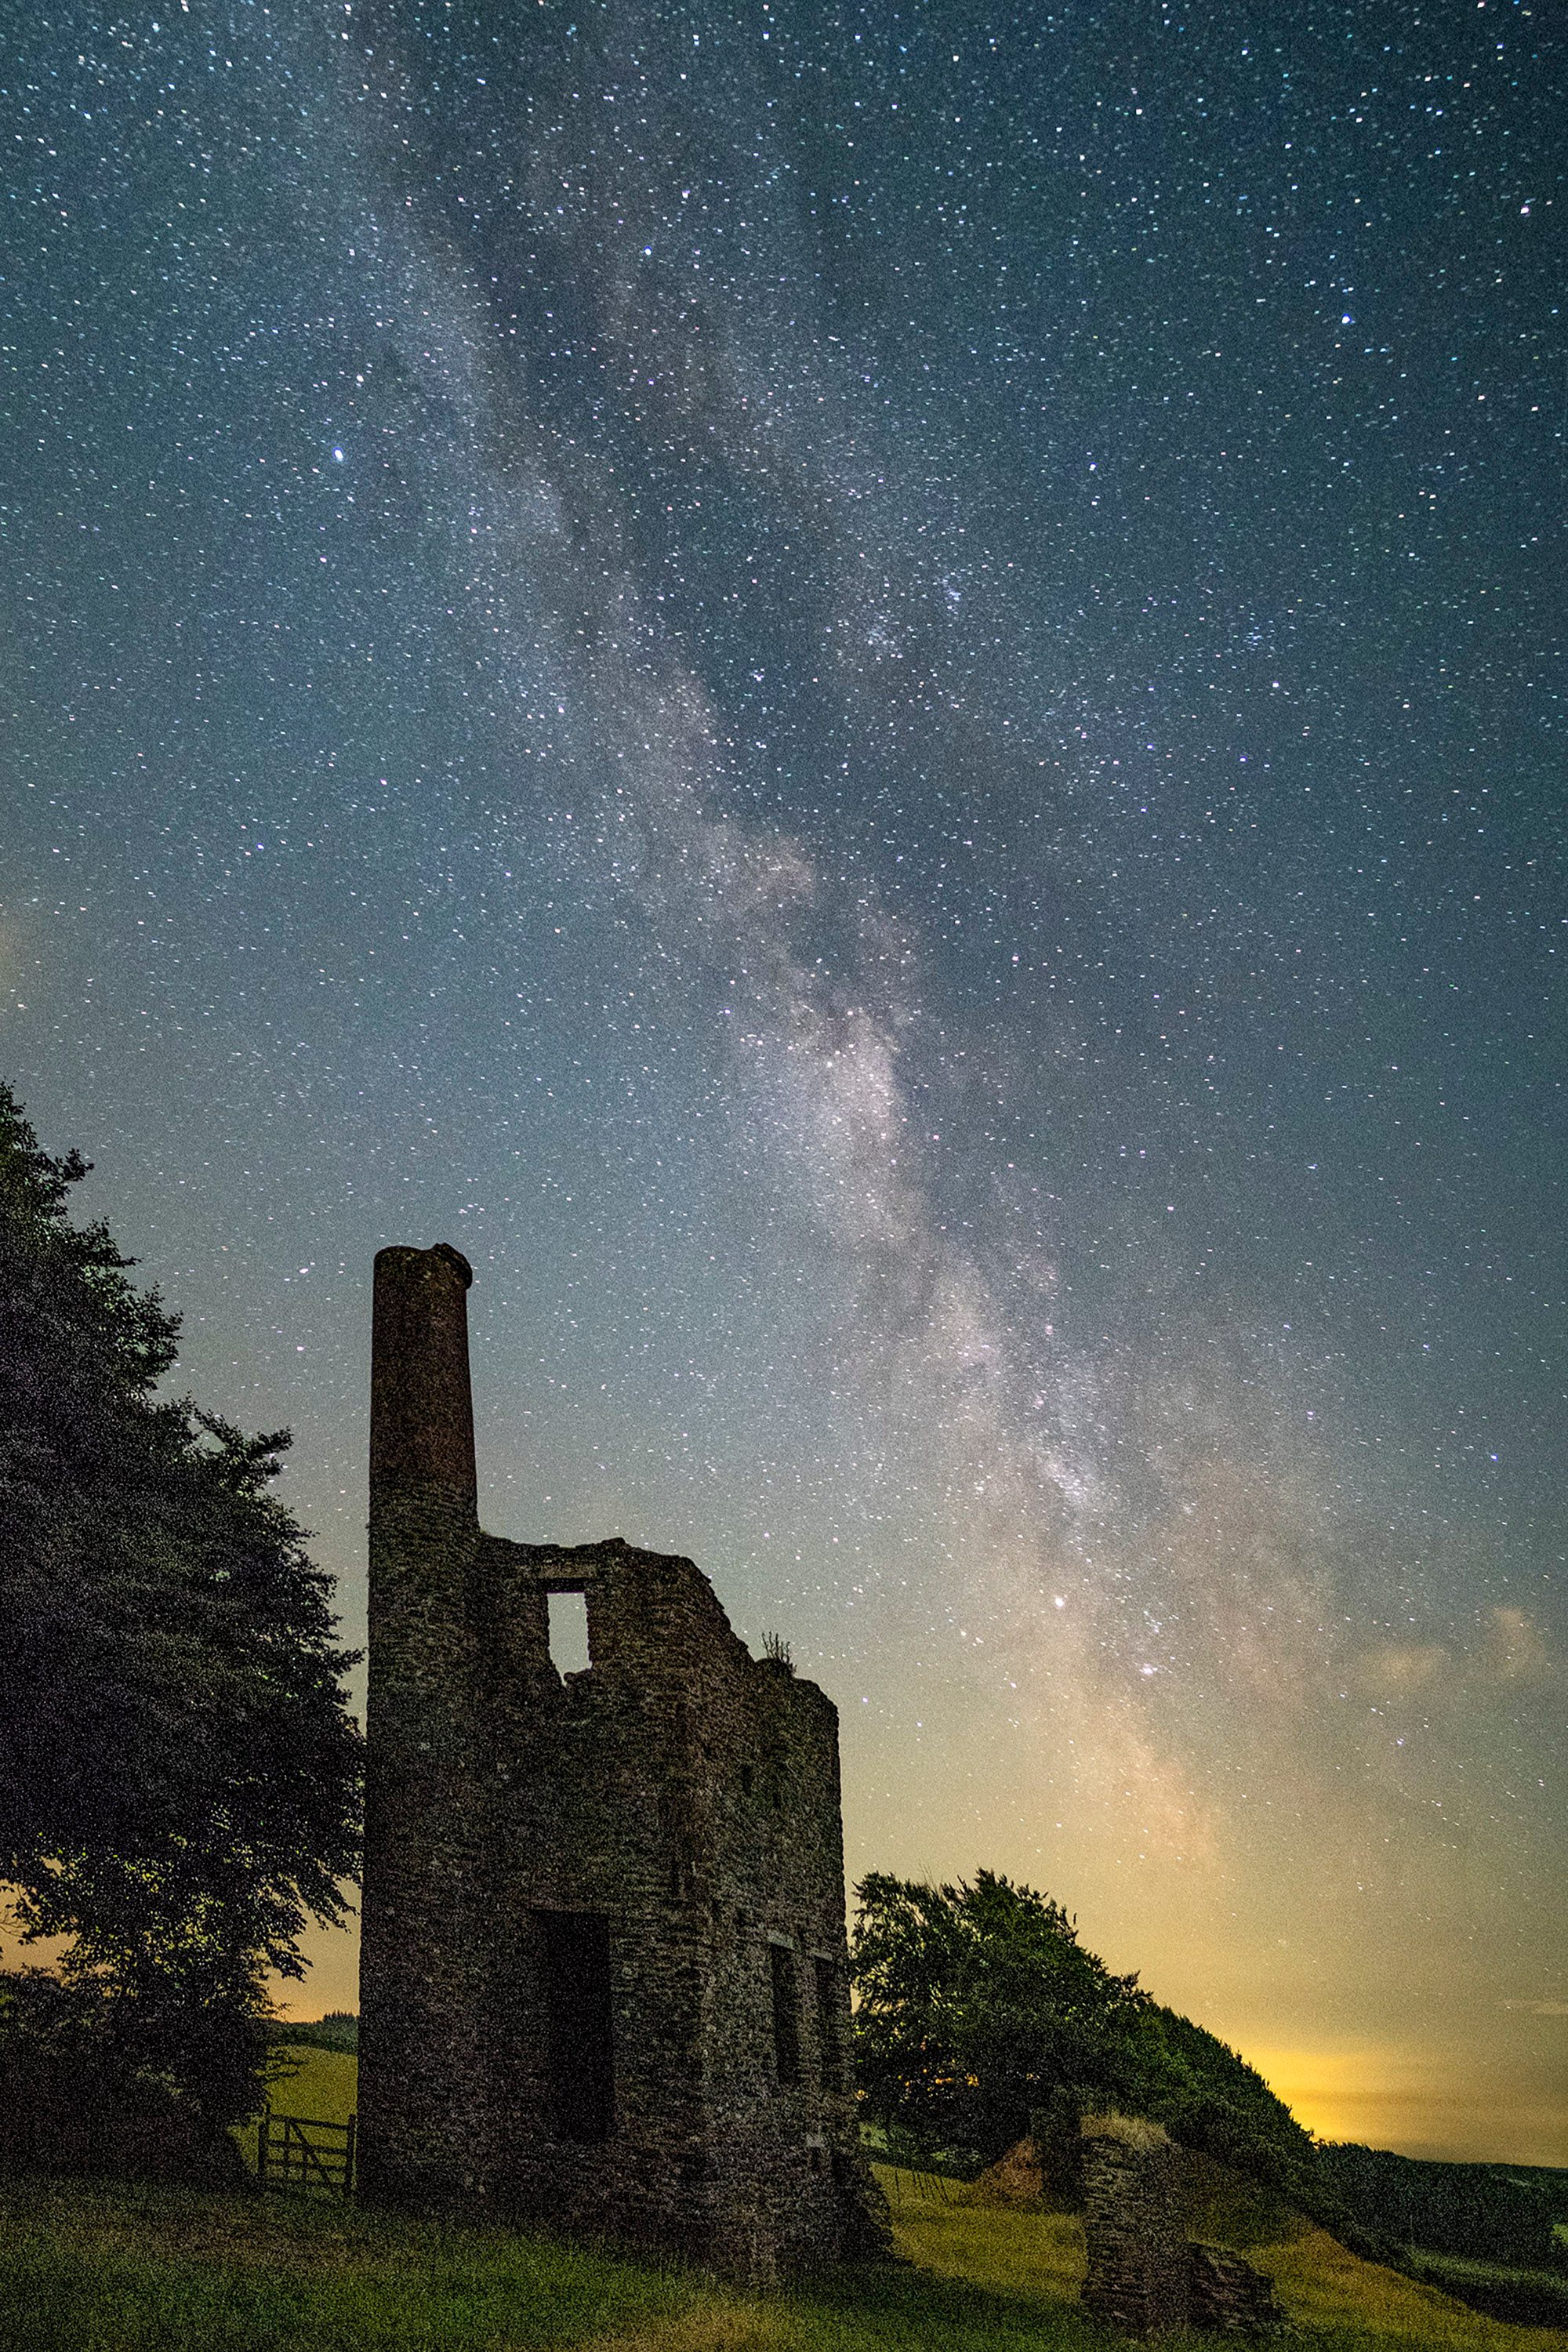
[[872, 697]]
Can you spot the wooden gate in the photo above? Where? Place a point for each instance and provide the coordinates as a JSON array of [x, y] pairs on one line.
[[305, 2152]]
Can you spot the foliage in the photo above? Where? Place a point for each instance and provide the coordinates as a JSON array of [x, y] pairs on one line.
[[1496, 2212], [78, 2091], [178, 1773], [1537, 2297], [1210, 2098], [975, 2004], [981, 2017]]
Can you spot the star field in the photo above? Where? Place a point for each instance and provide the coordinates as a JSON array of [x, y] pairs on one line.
[[873, 697]]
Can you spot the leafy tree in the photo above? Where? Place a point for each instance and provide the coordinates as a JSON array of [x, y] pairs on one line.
[[178, 1773], [975, 2004], [980, 2017], [1209, 2097], [80, 2093]]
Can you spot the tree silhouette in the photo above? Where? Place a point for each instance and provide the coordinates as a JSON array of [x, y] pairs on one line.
[[179, 1777]]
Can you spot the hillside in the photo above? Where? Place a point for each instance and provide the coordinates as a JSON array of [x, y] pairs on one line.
[[1222, 2206], [1490, 2213], [983, 2017], [94, 2268]]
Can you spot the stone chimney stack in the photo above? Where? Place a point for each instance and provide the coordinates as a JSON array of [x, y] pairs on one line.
[[421, 1407], [423, 1981]]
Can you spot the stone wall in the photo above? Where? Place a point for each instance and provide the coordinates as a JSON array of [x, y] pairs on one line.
[[1137, 2274], [1142, 2275], [606, 1981], [1228, 2297]]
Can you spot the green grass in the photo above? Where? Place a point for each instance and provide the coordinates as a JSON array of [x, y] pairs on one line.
[[1511, 2290], [100, 2268], [1354, 2307], [1340, 2303], [320, 2084]]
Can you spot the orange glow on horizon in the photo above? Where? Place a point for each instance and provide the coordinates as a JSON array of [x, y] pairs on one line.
[[1382, 2096]]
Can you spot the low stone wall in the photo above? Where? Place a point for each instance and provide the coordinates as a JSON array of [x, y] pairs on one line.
[[1142, 2275], [1228, 2297]]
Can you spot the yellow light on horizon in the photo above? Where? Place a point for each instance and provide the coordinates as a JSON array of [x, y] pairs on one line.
[[1382, 2095]]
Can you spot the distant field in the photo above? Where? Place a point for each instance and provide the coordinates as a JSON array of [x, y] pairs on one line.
[[322, 2084], [111, 2268]]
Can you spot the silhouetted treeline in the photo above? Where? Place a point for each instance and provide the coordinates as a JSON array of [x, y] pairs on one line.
[[339, 2029], [1494, 2212]]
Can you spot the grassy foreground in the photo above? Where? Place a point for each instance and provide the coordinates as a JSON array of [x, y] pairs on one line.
[[86, 2268], [91, 2267]]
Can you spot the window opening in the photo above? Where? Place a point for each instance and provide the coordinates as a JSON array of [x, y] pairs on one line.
[[828, 2041], [787, 2014], [569, 1632], [579, 2042]]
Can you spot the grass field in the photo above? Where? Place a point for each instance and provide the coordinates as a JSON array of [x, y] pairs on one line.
[[322, 2084], [95, 2268]]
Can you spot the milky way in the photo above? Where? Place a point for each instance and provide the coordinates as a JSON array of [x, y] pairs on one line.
[[872, 697]]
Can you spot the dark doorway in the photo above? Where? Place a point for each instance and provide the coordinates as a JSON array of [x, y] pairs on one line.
[[574, 1956]]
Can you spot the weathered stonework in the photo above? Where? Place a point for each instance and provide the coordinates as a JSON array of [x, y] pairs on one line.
[[1228, 2297], [1142, 2275], [605, 1977], [1137, 2274]]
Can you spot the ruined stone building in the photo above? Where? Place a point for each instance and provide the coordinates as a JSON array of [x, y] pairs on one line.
[[604, 1982]]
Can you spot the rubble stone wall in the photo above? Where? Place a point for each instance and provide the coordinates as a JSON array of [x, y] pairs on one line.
[[1228, 2297], [1138, 2274], [1142, 2275]]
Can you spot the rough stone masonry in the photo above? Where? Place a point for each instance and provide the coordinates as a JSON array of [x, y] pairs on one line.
[[1143, 2276], [604, 1982]]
